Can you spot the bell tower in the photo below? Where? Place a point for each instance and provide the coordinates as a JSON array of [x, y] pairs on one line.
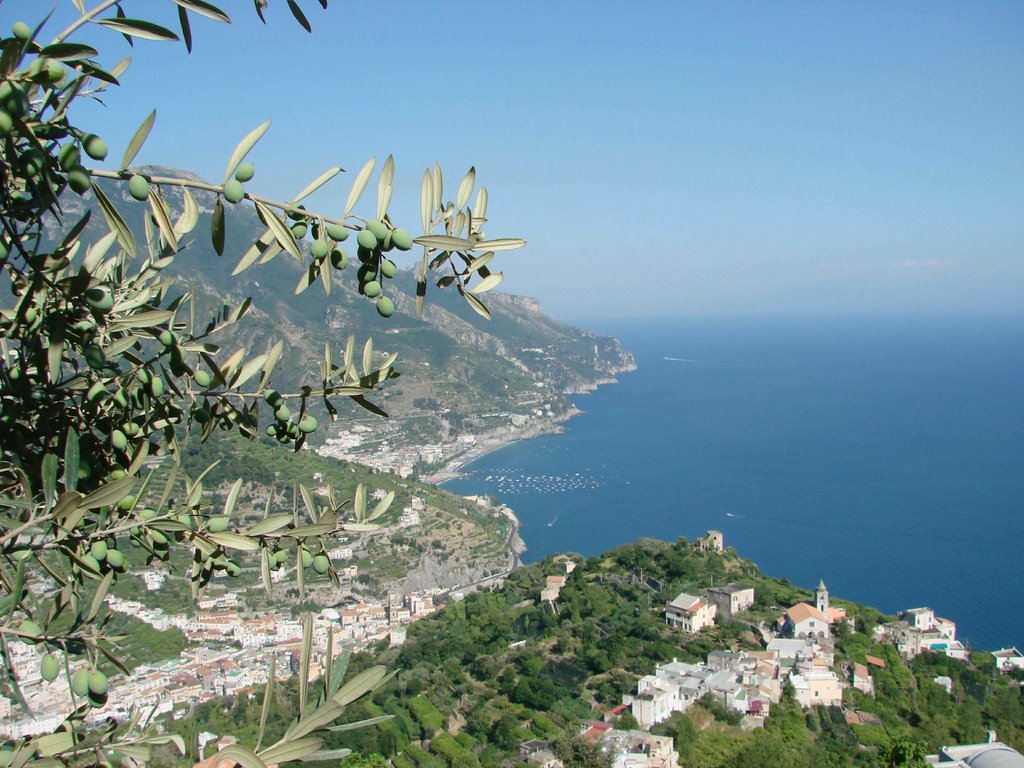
[[821, 597]]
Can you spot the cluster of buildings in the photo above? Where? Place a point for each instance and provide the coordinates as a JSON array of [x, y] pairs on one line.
[[377, 449], [627, 749], [363, 443], [691, 613], [799, 649], [746, 682], [228, 654]]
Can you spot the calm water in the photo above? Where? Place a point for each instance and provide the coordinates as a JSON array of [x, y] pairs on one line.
[[885, 456]]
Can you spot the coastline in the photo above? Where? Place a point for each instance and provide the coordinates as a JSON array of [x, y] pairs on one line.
[[499, 438], [492, 441]]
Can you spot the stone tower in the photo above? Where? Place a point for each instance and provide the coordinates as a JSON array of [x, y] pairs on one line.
[[821, 597]]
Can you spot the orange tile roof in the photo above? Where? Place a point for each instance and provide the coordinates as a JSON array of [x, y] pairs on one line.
[[803, 611], [875, 661], [836, 614]]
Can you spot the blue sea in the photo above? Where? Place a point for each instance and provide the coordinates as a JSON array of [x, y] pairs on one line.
[[885, 456]]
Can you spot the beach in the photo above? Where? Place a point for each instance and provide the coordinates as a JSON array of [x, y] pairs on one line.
[[488, 442]]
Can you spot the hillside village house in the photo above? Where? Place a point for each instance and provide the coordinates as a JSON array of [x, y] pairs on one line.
[[713, 542], [731, 599], [552, 588], [814, 683], [1008, 659], [689, 613], [861, 679], [639, 749], [919, 630]]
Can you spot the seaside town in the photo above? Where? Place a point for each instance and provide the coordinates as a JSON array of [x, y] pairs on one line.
[[230, 653], [229, 644], [378, 447]]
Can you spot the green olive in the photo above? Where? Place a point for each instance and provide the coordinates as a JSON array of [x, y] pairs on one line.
[[366, 239], [97, 683], [401, 239], [80, 682], [378, 229], [79, 179], [94, 147], [234, 192], [99, 298], [49, 668], [245, 172], [138, 187], [319, 249], [29, 627]]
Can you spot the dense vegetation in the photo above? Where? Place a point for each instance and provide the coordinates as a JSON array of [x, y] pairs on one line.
[[500, 667]]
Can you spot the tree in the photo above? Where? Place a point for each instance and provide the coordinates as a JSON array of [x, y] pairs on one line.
[[105, 367], [576, 752], [902, 752]]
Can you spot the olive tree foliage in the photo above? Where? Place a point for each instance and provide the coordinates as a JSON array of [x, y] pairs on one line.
[[105, 366]]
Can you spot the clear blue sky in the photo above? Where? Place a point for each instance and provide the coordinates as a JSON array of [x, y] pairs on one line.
[[661, 158]]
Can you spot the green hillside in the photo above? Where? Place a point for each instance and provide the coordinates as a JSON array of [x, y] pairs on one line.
[[502, 667]]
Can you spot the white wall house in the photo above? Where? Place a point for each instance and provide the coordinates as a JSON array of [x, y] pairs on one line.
[[804, 620], [1008, 658], [689, 613], [817, 686]]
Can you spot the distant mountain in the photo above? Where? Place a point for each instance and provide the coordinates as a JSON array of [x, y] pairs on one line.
[[460, 372]]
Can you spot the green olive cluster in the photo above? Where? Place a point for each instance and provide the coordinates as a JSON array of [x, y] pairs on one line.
[[234, 189], [320, 563], [42, 153], [285, 428], [91, 685], [374, 240]]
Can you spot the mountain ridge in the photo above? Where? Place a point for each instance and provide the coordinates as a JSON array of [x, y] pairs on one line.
[[461, 374]]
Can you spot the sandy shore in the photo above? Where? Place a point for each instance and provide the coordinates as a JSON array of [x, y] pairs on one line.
[[492, 441]]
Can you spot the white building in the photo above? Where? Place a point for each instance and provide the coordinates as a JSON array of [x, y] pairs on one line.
[[804, 620], [1008, 658], [744, 682], [991, 754], [861, 679], [689, 613], [817, 686]]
